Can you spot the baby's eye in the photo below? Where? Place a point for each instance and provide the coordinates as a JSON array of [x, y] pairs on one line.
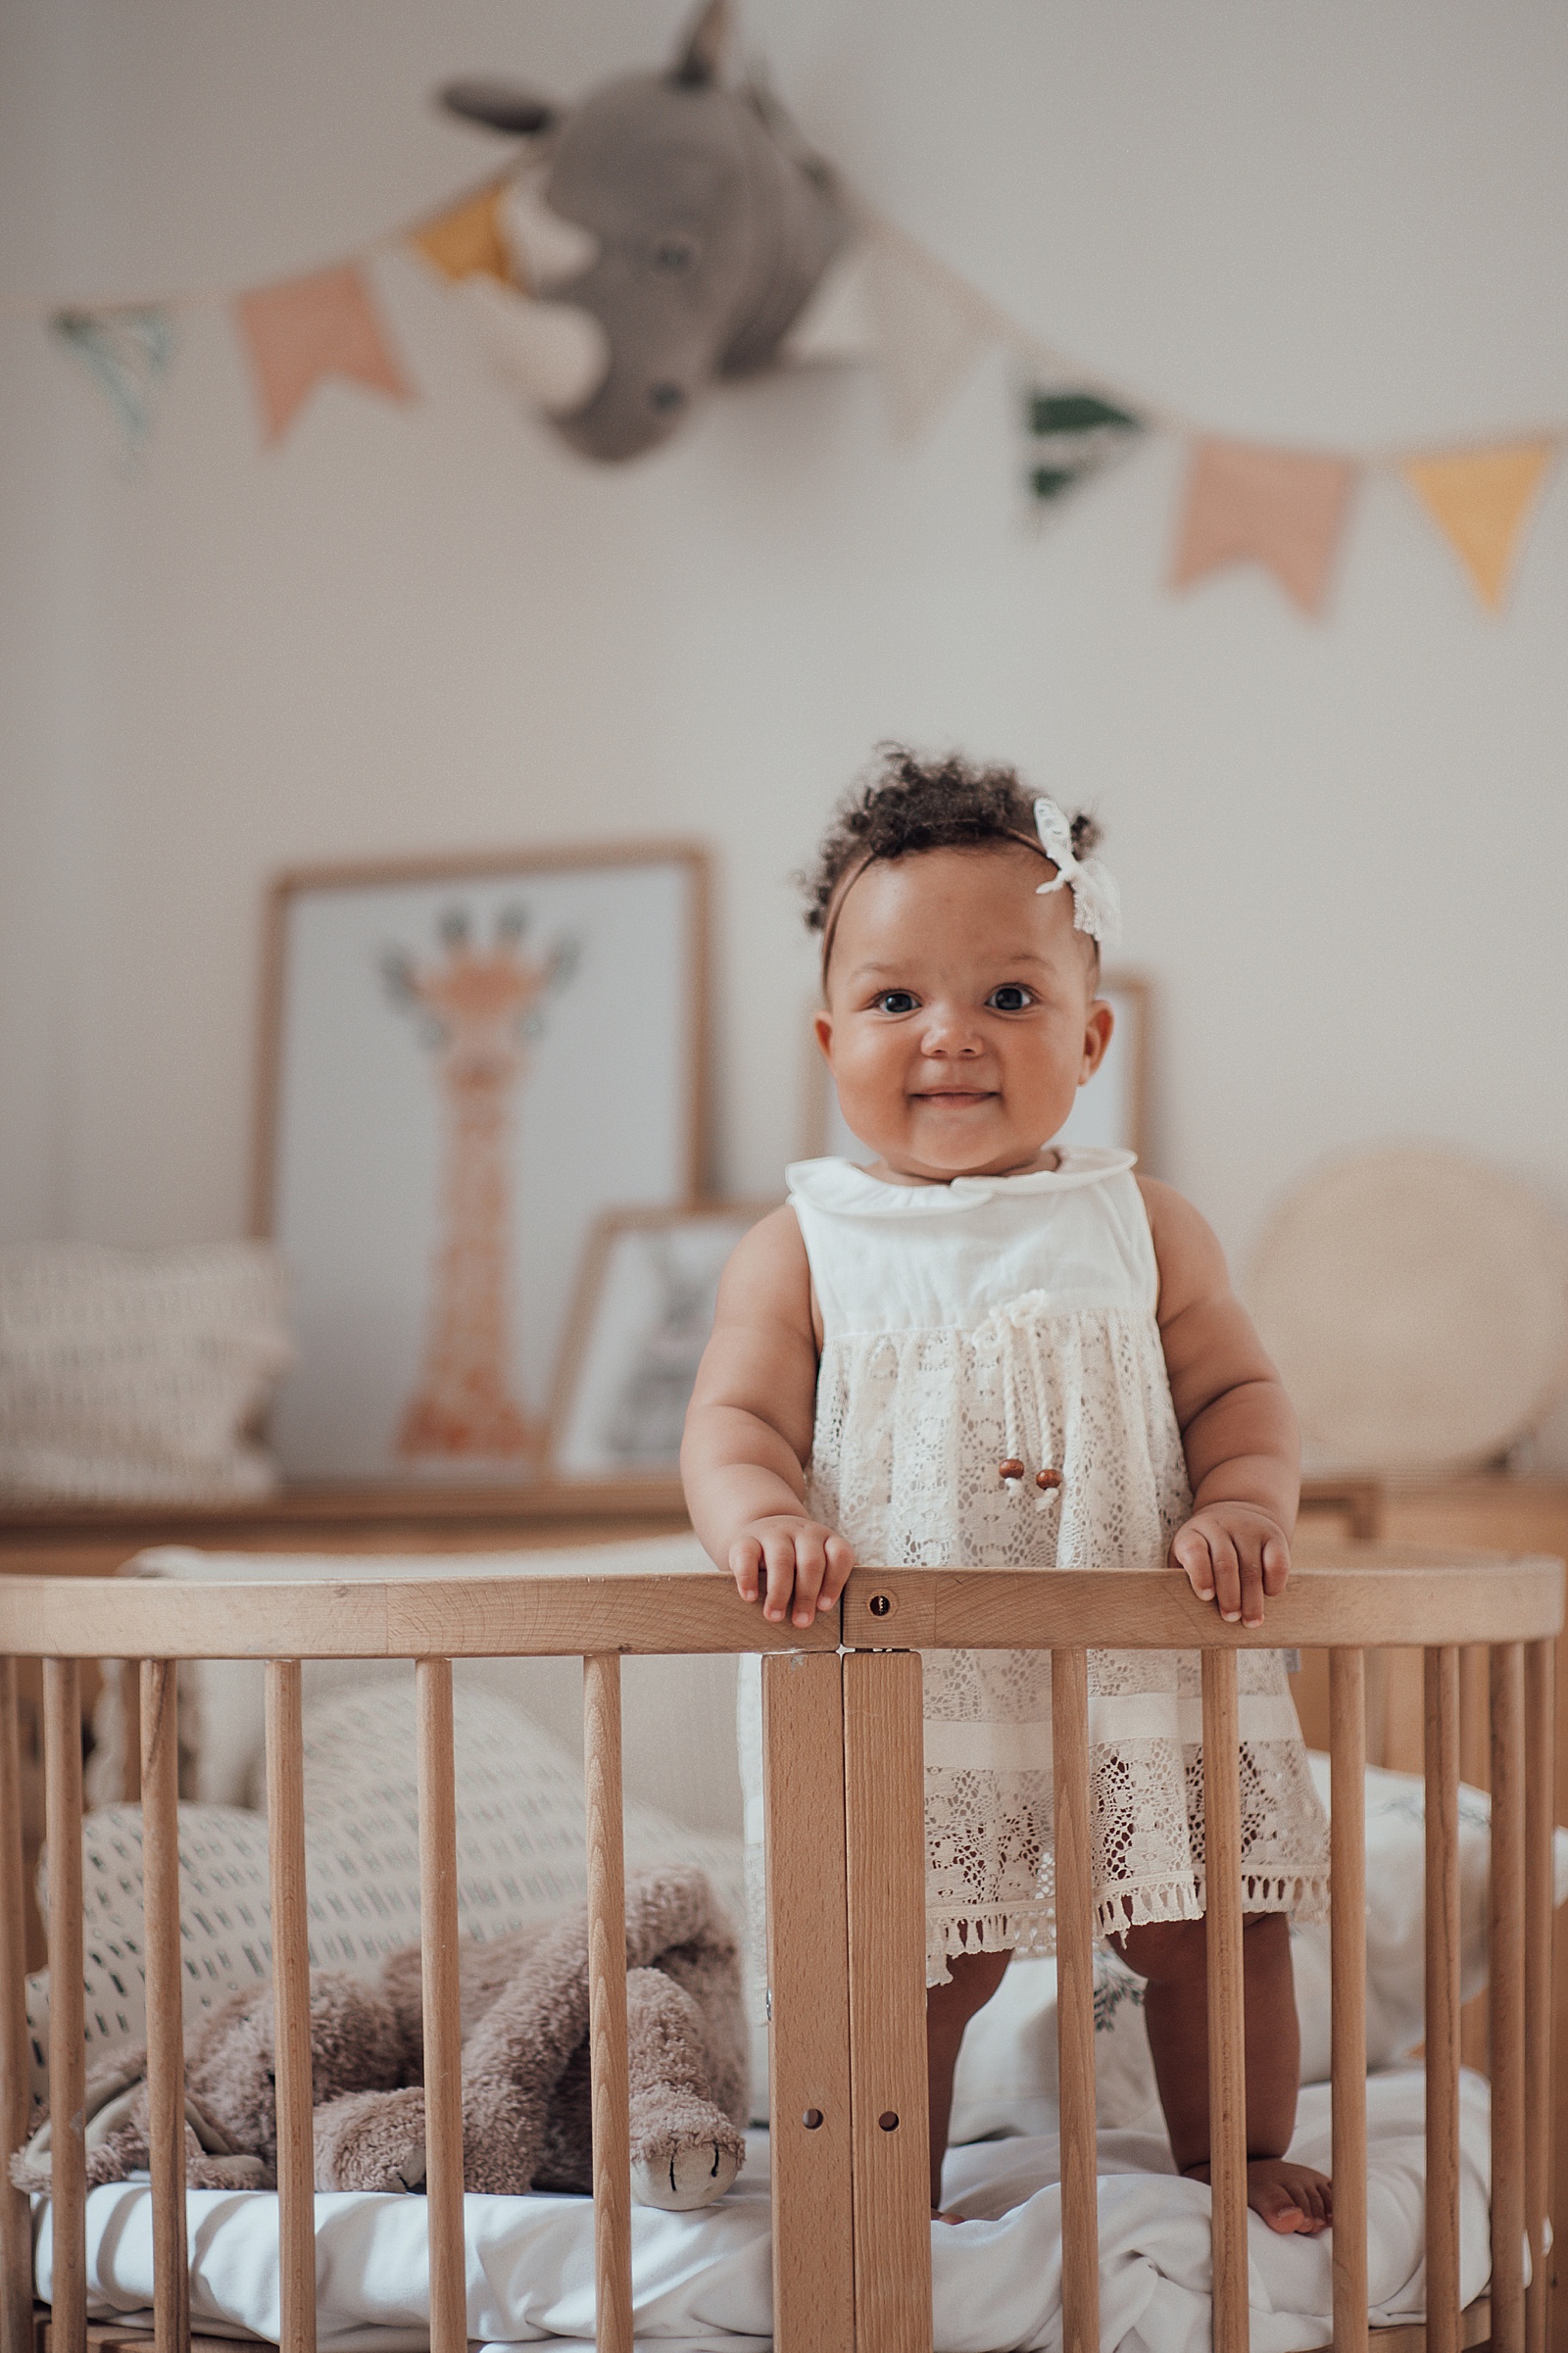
[[1011, 997], [893, 1000]]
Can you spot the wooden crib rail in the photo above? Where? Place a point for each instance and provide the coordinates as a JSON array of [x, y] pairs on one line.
[[851, 2240]]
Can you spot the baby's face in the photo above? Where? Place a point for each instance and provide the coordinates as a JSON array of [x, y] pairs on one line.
[[962, 1018]]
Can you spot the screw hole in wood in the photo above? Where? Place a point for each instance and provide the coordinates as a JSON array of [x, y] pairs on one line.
[[881, 1605], [812, 2119]]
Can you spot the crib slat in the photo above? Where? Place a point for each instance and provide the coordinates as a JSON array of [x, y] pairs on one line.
[[884, 1816], [1075, 2002], [1348, 1946], [442, 2025], [62, 1758], [291, 2007], [16, 2222], [1227, 2075], [1442, 1742], [607, 2003], [1506, 1993], [807, 1977], [1541, 1713], [166, 2040]]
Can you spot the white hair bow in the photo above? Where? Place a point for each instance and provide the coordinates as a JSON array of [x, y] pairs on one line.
[[1095, 900]]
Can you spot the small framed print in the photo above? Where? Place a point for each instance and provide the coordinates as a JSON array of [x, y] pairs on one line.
[[464, 1063], [640, 1321], [1111, 1109]]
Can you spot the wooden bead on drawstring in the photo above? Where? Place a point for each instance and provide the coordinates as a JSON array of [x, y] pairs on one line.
[[1012, 1468], [1048, 1478]]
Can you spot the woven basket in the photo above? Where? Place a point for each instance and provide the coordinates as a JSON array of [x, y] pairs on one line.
[[1416, 1302], [133, 1375]]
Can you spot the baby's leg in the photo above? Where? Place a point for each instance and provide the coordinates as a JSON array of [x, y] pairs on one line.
[[1172, 1957], [948, 2011]]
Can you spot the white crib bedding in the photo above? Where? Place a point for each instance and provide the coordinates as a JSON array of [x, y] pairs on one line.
[[701, 2281]]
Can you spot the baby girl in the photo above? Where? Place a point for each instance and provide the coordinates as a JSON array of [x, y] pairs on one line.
[[991, 1350]]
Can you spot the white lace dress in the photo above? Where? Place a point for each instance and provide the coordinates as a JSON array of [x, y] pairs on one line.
[[965, 1324]]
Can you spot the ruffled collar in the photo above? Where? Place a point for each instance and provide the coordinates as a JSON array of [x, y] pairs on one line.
[[835, 1183]]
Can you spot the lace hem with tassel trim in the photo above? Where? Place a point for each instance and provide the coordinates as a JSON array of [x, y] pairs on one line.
[[1029, 1930]]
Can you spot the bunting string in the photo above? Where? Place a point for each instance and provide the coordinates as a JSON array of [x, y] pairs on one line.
[[925, 327]]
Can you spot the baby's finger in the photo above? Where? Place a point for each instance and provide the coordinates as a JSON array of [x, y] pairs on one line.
[[1191, 1553], [779, 1553], [745, 1560], [1276, 1565], [809, 1563], [1227, 1576], [1251, 1566], [840, 1561]]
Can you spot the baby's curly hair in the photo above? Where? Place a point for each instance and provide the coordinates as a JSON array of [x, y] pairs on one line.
[[906, 803]]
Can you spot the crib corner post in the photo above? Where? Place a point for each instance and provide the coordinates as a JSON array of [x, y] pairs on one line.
[[808, 2002], [884, 1809], [16, 2218]]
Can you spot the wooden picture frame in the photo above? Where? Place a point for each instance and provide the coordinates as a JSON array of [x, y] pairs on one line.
[[463, 1061], [1113, 1108], [618, 1307]]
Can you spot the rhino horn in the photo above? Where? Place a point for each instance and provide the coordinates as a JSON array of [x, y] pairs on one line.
[[500, 105], [702, 57], [556, 354]]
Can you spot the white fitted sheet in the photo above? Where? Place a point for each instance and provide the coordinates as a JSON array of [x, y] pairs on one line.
[[701, 2281]]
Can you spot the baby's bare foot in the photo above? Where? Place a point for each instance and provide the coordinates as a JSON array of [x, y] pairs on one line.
[[1288, 2197]]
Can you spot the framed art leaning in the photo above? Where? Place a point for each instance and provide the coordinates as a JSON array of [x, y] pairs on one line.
[[465, 1061]]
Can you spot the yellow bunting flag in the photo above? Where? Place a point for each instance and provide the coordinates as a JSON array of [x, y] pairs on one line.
[[312, 327], [1284, 508], [466, 242], [1479, 500]]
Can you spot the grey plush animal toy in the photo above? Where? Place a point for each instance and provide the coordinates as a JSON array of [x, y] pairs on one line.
[[682, 222], [525, 2086]]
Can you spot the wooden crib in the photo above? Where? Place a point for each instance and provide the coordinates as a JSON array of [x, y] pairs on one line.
[[846, 1898]]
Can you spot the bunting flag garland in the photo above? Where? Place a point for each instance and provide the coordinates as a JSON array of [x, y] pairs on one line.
[[1072, 435], [889, 301], [1283, 509], [928, 329], [311, 327], [466, 242], [1479, 500], [127, 352]]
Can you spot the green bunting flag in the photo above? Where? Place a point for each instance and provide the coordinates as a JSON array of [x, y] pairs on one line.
[[127, 352], [1070, 435]]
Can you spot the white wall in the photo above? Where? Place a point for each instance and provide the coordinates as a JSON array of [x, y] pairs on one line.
[[1340, 845]]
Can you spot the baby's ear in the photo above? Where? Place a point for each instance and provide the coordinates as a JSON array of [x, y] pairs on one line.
[[823, 1024], [1098, 1030]]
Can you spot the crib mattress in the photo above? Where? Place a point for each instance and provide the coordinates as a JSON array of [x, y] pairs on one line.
[[701, 2281]]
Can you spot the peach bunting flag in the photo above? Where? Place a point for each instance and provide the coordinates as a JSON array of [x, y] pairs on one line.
[[310, 327], [1479, 500], [466, 242], [1284, 508]]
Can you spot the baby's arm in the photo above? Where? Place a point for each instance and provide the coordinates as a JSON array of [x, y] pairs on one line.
[[1239, 1434], [749, 1432]]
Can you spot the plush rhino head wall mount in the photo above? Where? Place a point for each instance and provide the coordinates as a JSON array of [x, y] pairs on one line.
[[671, 230]]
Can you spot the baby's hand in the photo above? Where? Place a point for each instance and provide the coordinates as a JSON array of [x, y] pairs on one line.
[[797, 1565], [1233, 1554]]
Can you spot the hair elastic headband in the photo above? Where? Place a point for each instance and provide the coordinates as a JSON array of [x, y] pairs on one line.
[[1096, 899]]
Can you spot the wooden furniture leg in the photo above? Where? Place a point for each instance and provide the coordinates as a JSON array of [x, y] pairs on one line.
[[808, 2002], [884, 1785]]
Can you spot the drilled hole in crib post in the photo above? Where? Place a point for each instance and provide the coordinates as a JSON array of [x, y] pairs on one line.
[[609, 2079], [158, 1744]]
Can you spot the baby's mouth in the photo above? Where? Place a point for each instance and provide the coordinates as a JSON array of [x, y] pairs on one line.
[[955, 1099]]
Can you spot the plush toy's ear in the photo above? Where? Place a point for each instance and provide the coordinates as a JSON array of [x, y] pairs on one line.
[[701, 59], [500, 105]]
